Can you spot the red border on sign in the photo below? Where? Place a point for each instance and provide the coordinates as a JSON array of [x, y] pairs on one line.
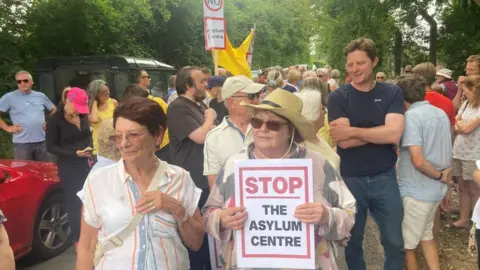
[[205, 33], [213, 9], [307, 199]]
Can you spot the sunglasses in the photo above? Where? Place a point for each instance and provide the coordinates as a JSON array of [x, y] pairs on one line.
[[117, 139], [249, 96], [380, 77], [146, 77], [24, 81], [270, 124]]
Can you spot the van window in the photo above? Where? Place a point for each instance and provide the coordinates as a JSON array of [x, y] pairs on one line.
[[45, 80], [158, 84], [121, 82]]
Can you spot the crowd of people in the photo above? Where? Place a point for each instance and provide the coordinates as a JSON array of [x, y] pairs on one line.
[[147, 179]]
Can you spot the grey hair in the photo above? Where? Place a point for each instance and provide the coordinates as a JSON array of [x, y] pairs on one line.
[[93, 89], [107, 148], [312, 102], [271, 77], [335, 74], [21, 72], [323, 70]]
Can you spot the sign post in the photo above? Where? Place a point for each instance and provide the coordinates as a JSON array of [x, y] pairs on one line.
[[272, 237], [214, 25]]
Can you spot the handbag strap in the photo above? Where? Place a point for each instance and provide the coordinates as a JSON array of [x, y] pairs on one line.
[[118, 239]]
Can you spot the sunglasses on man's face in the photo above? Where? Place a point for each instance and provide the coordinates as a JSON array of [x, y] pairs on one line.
[[249, 96], [24, 81], [380, 77], [270, 124], [148, 77]]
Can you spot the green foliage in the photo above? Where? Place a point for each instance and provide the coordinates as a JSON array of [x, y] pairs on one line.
[[460, 34]]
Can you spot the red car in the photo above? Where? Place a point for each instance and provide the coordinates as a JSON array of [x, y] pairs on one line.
[[33, 203]]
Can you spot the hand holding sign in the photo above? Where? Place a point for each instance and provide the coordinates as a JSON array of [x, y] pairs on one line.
[[233, 218], [310, 213]]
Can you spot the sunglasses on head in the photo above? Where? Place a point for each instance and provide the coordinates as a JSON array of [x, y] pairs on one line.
[[270, 124], [24, 81]]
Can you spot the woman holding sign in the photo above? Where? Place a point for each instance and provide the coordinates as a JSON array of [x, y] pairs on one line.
[[279, 132]]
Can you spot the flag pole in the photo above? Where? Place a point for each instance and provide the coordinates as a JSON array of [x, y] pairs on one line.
[[215, 61]]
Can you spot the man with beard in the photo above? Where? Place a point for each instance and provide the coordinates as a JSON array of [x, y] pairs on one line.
[[188, 125], [366, 121]]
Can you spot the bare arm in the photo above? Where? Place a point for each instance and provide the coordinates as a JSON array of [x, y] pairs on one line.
[[457, 100], [211, 181], [86, 246], [192, 230], [466, 128], [3, 124], [348, 143], [7, 261], [476, 177], [390, 133], [52, 111], [421, 164], [93, 116], [199, 134]]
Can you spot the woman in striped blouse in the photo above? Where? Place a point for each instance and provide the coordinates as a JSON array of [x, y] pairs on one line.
[[112, 195]]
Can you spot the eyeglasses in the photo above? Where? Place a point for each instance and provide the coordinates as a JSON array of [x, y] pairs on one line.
[[24, 81], [131, 137], [270, 124], [148, 77], [249, 96], [408, 71], [380, 77]]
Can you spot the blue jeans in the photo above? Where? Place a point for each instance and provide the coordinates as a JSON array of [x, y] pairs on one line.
[[380, 195], [31, 151]]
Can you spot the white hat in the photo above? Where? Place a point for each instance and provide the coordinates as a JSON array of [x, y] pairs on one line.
[[240, 83], [447, 73]]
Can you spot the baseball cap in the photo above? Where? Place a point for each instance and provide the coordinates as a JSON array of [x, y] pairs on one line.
[[447, 73], [79, 98], [215, 81], [240, 83]]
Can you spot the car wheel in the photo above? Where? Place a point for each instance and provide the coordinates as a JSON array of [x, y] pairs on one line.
[[52, 234]]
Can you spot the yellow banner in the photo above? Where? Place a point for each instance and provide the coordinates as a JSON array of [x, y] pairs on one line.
[[235, 59]]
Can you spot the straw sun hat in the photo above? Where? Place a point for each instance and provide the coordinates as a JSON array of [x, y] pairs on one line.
[[289, 106]]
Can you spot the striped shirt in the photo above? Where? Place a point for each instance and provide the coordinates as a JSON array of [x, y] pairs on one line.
[[109, 197]]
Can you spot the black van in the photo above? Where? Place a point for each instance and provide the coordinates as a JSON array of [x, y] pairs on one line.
[[55, 73]]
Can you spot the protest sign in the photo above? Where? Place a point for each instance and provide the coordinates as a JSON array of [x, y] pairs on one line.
[[272, 237], [214, 24]]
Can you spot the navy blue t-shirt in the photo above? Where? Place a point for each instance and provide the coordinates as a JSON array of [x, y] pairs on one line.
[[290, 88], [366, 110]]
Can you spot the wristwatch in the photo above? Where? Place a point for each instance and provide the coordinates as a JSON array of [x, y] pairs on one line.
[[440, 177]]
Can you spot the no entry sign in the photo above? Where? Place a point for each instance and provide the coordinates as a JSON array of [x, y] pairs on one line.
[[214, 25], [272, 237]]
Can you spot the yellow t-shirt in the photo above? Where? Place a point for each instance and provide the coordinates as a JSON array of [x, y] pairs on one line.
[[324, 132], [164, 106], [325, 150], [102, 115]]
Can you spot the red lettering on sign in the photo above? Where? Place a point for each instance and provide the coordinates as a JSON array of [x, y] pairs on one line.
[[280, 184]]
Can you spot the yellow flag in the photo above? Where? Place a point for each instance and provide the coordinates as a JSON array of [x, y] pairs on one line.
[[235, 59]]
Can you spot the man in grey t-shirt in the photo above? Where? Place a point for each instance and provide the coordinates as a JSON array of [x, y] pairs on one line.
[[27, 112]]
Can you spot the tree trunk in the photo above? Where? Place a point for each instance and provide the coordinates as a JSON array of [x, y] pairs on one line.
[[397, 51], [433, 34]]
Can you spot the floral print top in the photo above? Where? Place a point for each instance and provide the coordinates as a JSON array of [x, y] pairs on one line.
[[2, 217], [329, 189]]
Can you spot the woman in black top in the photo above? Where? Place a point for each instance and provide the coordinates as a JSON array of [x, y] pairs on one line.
[[68, 136]]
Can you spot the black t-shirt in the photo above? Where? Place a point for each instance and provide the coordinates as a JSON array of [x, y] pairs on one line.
[[64, 139], [366, 110], [185, 116], [219, 107]]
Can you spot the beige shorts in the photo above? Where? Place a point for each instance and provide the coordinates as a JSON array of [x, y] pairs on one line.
[[417, 222], [463, 168]]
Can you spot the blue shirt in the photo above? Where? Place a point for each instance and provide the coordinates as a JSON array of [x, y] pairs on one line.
[[366, 110], [426, 126], [28, 111], [102, 162]]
